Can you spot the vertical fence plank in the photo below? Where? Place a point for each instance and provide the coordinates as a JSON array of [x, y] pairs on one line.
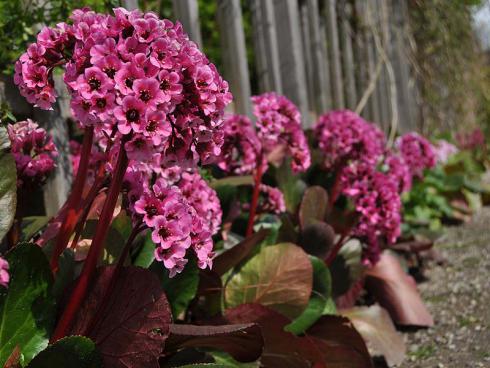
[[290, 54], [187, 13], [320, 81], [325, 63], [334, 54], [361, 67], [307, 56], [346, 32], [265, 45], [229, 16], [130, 4]]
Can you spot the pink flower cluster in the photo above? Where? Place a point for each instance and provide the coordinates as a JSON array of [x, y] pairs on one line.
[[376, 199], [343, 137], [278, 127], [4, 273], [33, 150], [279, 124], [443, 150], [241, 148], [133, 75], [398, 171], [417, 152], [181, 210], [471, 140], [97, 157], [272, 200]]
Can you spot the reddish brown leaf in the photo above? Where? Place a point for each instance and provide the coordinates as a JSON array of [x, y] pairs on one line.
[[313, 207], [233, 256], [133, 317], [331, 342], [397, 292], [14, 359], [317, 239], [243, 342]]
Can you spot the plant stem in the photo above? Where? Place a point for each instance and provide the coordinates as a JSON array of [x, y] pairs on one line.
[[73, 202], [90, 264], [255, 199], [333, 253]]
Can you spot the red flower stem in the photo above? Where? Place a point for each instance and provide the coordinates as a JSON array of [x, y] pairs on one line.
[[333, 253], [255, 199], [73, 202], [90, 264], [336, 188], [115, 275]]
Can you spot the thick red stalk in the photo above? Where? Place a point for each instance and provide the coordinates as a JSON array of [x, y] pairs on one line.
[[336, 187], [90, 264], [333, 253], [73, 203], [255, 199]]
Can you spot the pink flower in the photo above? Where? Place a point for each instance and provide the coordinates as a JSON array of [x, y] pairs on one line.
[[156, 127], [148, 91], [126, 76], [471, 140], [444, 150], [93, 81], [130, 115], [399, 171], [4, 273], [272, 201], [139, 148], [417, 152]]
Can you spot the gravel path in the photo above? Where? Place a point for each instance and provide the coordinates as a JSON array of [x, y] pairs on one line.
[[458, 296]]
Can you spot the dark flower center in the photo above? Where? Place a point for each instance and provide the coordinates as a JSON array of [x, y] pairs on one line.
[[152, 126], [151, 210], [160, 55], [145, 95], [202, 83], [101, 103], [132, 115], [164, 233], [129, 82], [164, 85], [94, 83], [110, 71], [85, 105], [128, 32]]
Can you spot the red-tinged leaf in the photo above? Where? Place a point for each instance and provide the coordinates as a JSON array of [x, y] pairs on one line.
[[53, 227], [313, 207], [133, 317], [243, 342], [376, 327], [280, 276], [413, 246], [317, 239], [233, 256], [332, 342], [14, 359], [397, 292], [210, 288], [348, 300], [339, 342]]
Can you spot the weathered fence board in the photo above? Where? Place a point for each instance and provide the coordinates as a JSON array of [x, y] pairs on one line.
[[334, 54], [346, 33], [187, 13]]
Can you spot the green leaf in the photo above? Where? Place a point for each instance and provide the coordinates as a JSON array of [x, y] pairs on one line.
[[280, 277], [146, 254], [72, 352], [27, 307], [8, 184], [226, 360], [180, 289], [31, 225], [232, 181], [321, 301], [65, 274], [290, 185]]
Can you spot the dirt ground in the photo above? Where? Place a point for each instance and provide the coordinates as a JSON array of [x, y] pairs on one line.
[[458, 296]]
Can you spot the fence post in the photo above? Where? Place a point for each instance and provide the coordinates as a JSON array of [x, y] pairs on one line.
[[187, 13], [346, 33], [265, 45], [290, 52], [229, 16], [334, 53]]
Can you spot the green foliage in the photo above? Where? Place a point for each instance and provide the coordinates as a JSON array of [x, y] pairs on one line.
[[72, 351], [27, 307], [8, 184]]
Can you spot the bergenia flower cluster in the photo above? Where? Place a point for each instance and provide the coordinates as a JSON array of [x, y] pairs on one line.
[[271, 200], [277, 127], [444, 150], [279, 124], [417, 152], [471, 140], [34, 152], [398, 170], [4, 273], [377, 201], [343, 137], [134, 75]]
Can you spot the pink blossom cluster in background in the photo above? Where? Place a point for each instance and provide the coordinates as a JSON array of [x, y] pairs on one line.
[[343, 137], [417, 152], [398, 171], [471, 140], [33, 150], [4, 273], [135, 75], [272, 200], [444, 150], [377, 200], [279, 124], [97, 157]]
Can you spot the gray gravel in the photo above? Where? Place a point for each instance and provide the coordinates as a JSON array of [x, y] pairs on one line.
[[458, 296]]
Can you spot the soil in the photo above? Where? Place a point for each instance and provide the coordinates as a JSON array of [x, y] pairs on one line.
[[458, 296]]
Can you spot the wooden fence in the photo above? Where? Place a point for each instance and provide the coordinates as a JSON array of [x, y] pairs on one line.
[[322, 54]]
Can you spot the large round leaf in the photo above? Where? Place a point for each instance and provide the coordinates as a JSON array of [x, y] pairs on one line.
[[280, 277], [72, 352], [8, 184], [27, 308]]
